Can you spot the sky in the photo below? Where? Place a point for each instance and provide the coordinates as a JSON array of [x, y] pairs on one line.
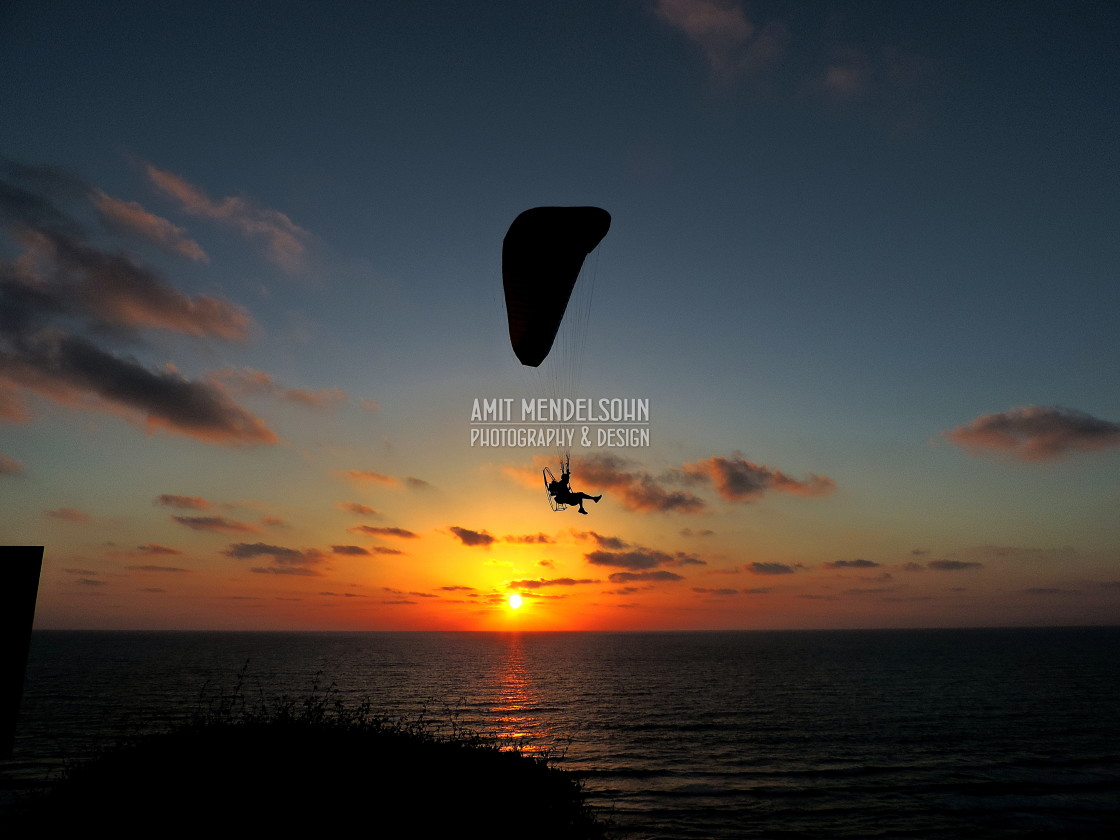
[[862, 268]]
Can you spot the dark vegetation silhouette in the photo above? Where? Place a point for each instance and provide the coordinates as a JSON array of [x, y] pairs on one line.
[[314, 765]]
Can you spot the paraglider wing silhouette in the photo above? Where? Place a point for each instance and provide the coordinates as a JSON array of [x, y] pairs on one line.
[[542, 255]]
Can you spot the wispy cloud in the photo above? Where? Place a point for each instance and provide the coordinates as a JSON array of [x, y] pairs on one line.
[[286, 561], [159, 569], [852, 564], [542, 582], [155, 549], [365, 476], [733, 46], [357, 508], [739, 480], [529, 539], [1036, 433], [215, 523], [188, 502], [64, 300], [286, 242], [660, 575], [10, 466], [386, 531], [953, 565], [68, 514], [130, 216], [249, 381]]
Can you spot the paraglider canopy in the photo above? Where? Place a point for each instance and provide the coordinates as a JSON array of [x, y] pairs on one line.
[[542, 255]]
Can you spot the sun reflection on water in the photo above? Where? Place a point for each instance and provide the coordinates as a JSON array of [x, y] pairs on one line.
[[513, 712]]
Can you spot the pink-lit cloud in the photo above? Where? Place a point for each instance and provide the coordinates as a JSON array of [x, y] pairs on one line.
[[1036, 433], [733, 45], [68, 514], [638, 490], [286, 242], [65, 299], [130, 216], [114, 289], [739, 480], [249, 381], [75, 372], [10, 466]]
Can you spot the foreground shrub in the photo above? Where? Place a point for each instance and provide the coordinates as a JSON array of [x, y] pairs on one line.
[[316, 766]]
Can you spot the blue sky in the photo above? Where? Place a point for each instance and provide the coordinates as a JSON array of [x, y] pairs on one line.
[[840, 232]]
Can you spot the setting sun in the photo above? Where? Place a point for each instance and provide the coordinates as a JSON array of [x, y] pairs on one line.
[[514, 602]]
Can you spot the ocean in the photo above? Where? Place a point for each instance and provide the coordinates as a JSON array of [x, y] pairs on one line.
[[815, 734]]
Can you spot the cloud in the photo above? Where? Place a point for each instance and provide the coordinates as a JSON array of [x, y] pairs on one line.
[[156, 549], [734, 478], [131, 217], [190, 502], [286, 561], [387, 531], [529, 539], [611, 543], [1036, 433], [703, 532], [638, 559], [473, 538], [769, 569], [350, 550], [60, 273], [739, 480], [953, 565], [62, 300], [702, 591], [362, 476], [174, 569], [286, 241], [537, 584], [215, 523], [848, 76], [71, 370], [660, 575], [249, 381], [10, 466], [733, 46], [852, 564], [68, 514], [358, 508], [639, 490]]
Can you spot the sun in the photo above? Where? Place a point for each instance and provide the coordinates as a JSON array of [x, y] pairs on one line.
[[514, 601]]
